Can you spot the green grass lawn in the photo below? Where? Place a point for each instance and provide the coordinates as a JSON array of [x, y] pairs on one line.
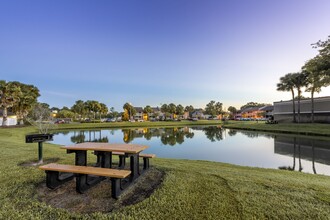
[[191, 189], [137, 124], [316, 129]]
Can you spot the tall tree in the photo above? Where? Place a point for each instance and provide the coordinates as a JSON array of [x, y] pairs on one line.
[[147, 110], [27, 98], [164, 108], [93, 106], [103, 109], [232, 111], [324, 53], [299, 81], [190, 109], [213, 108], [79, 108], [9, 95], [179, 110], [130, 110], [172, 108], [315, 79], [286, 84]]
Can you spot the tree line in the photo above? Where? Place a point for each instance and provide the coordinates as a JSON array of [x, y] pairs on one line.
[[314, 75], [22, 100]]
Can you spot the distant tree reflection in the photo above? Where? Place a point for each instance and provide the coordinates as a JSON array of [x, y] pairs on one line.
[[232, 132], [168, 136], [88, 136], [213, 133]]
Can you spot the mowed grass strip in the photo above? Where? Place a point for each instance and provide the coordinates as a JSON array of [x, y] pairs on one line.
[[315, 129], [191, 189]]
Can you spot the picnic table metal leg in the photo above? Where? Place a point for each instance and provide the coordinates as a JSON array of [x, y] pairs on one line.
[[54, 179], [145, 163], [122, 161], [81, 158], [83, 181], [134, 164], [116, 188], [106, 159]]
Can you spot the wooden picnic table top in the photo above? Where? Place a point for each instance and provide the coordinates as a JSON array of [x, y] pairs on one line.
[[126, 148]]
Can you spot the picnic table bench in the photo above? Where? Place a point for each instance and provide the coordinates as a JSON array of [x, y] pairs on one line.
[[53, 176], [88, 176], [122, 159]]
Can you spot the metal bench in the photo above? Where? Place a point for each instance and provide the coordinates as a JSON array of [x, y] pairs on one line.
[[54, 179]]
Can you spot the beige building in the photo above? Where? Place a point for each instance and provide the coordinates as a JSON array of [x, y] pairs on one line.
[[283, 110], [11, 118]]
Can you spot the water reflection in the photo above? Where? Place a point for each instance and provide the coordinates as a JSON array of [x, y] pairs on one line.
[[302, 148], [247, 148], [168, 136], [213, 133], [88, 136]]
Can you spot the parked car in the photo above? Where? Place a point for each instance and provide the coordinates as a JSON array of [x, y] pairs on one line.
[[59, 121]]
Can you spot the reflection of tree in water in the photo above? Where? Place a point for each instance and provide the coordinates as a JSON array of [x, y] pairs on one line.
[[80, 137], [232, 132], [129, 135], [213, 133], [172, 136], [296, 142], [168, 136]]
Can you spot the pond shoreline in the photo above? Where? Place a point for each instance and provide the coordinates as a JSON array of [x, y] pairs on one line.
[[315, 129]]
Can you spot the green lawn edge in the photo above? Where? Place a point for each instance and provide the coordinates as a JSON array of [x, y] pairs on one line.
[[191, 189]]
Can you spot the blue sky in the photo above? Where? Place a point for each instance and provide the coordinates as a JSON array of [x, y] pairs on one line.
[[150, 52]]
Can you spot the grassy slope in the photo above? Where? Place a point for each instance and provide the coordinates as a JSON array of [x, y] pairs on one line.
[[191, 189], [305, 129], [136, 124]]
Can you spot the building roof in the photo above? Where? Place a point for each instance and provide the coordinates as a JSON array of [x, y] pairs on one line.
[[263, 108], [155, 109], [138, 109], [267, 108], [250, 109], [324, 98]]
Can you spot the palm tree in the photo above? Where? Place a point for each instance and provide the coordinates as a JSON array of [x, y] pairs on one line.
[[130, 109], [286, 84], [299, 81], [9, 95], [315, 79], [79, 108], [103, 109]]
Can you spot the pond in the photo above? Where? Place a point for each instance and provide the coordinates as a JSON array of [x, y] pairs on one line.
[[213, 143]]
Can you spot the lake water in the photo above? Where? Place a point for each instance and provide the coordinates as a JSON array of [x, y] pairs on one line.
[[247, 148]]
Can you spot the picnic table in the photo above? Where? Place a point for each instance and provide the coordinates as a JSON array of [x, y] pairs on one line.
[[87, 176], [104, 152]]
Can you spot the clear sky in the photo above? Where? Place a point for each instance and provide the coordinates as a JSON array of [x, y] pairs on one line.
[[149, 52]]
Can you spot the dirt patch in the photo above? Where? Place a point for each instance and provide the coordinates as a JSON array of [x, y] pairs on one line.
[[31, 163], [98, 198]]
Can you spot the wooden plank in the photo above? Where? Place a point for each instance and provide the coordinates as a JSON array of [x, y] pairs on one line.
[[127, 148], [98, 171], [141, 155]]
